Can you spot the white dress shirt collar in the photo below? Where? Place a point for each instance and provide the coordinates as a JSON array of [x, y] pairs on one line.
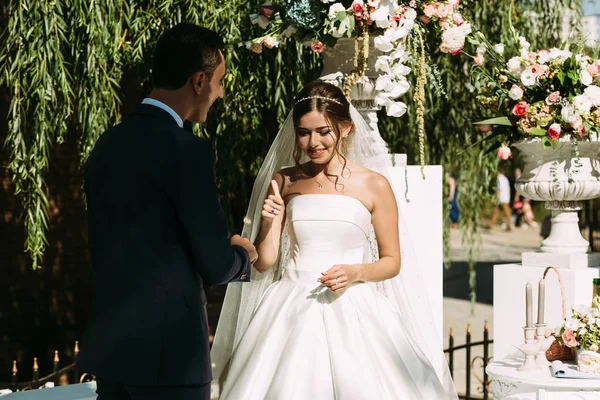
[[165, 107]]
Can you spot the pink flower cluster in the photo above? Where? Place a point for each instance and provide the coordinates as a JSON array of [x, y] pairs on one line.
[[568, 338]]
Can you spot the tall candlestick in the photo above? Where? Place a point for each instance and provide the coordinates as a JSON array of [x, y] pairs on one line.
[[541, 300], [528, 306]]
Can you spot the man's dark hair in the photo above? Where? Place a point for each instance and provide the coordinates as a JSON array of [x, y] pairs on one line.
[[181, 52]]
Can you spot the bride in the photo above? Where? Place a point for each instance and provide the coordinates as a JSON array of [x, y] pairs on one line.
[[329, 313]]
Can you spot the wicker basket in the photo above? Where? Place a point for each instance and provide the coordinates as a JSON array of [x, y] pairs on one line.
[[556, 351]]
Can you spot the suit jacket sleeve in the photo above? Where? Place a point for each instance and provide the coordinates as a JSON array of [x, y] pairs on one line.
[[194, 192]]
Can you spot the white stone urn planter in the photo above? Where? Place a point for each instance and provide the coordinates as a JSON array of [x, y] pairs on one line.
[[563, 177]]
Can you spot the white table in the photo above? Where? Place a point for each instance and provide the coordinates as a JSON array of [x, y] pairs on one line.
[[80, 391], [509, 384]]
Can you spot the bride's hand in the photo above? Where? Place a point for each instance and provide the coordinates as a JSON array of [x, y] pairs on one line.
[[339, 277], [274, 204]]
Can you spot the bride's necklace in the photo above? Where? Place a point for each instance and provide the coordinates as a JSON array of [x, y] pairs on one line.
[[317, 182]]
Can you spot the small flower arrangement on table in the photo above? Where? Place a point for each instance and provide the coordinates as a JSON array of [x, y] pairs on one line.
[[581, 332], [549, 94]]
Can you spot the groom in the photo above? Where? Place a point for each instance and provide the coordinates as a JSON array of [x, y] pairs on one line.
[[157, 232]]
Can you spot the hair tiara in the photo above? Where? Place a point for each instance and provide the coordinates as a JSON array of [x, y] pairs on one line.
[[318, 97]]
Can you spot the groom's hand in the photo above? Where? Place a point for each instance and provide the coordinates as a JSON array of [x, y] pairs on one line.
[[237, 240]]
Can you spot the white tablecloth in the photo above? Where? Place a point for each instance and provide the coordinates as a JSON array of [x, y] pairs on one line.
[[80, 391]]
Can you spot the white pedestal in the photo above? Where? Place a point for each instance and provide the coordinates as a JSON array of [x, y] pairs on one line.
[[570, 261], [420, 202], [509, 300]]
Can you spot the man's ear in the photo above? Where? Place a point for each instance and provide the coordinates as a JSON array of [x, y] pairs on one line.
[[197, 80]]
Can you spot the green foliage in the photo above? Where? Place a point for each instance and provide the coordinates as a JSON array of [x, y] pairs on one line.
[[64, 62]]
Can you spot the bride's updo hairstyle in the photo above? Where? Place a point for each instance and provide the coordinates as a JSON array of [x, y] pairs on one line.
[[328, 100]]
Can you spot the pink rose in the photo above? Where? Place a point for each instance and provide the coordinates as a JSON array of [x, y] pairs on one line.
[[520, 108], [424, 19], [537, 69], [554, 131], [568, 338], [504, 153], [267, 12], [317, 47], [256, 47], [269, 42], [457, 51], [358, 8], [453, 3], [479, 60], [592, 70], [413, 3], [444, 48], [578, 126], [429, 10], [484, 128], [458, 19], [444, 24], [552, 97]]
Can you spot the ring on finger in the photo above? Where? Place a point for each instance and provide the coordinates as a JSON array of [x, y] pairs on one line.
[[272, 211]]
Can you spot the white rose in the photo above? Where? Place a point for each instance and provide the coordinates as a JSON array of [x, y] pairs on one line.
[[499, 48], [384, 44], [336, 8], [582, 104], [515, 93], [523, 43], [454, 37], [466, 28], [514, 66], [572, 324], [561, 55], [410, 14], [528, 78], [586, 78], [543, 58], [593, 93], [568, 114]]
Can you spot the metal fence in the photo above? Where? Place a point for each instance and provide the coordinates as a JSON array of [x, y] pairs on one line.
[[475, 367]]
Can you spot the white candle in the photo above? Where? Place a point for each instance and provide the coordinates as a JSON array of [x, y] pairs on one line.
[[528, 306], [541, 300]]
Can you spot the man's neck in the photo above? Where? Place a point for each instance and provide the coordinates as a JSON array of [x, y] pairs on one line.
[[173, 99]]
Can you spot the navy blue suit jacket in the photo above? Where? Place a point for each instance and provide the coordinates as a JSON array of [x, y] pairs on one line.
[[157, 233]]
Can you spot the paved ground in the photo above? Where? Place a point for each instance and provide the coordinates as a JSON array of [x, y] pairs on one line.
[[497, 247]]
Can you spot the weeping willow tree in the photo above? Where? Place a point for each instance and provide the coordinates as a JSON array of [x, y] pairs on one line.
[[65, 62], [451, 139]]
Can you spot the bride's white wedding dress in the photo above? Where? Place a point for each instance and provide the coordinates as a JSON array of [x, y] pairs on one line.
[[307, 343]]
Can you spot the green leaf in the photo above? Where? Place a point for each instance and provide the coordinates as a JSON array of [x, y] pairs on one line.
[[495, 121], [537, 131]]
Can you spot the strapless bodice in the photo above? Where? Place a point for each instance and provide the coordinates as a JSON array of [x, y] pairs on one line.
[[325, 230]]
